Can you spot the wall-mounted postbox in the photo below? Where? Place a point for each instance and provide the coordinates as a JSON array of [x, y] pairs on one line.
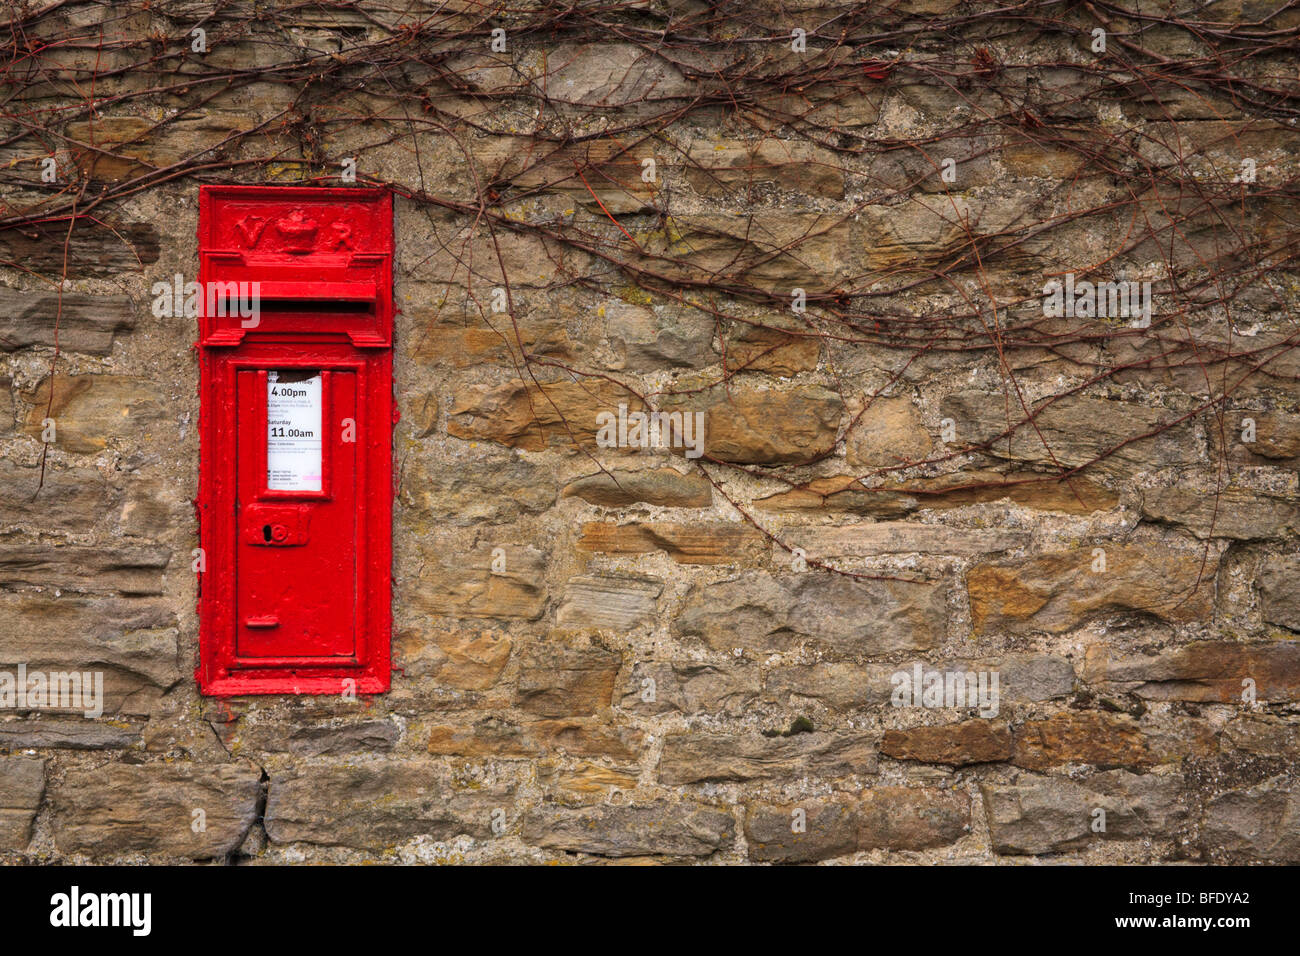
[[297, 412]]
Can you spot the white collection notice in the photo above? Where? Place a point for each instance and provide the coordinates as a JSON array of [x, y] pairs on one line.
[[293, 438]]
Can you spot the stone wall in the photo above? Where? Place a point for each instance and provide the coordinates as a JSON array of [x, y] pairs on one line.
[[910, 464]]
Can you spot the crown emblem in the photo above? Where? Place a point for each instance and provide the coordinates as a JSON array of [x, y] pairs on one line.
[[298, 232]]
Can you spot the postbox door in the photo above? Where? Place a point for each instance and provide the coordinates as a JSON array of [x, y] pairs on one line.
[[296, 515]]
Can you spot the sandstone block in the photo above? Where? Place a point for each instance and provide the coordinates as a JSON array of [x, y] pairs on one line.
[[150, 808]]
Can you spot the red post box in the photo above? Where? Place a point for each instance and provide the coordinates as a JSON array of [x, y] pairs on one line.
[[297, 411]]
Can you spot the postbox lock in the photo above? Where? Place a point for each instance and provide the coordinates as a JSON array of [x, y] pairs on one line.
[[276, 525], [275, 533]]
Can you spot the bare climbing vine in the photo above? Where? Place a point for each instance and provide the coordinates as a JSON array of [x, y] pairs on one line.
[[903, 181]]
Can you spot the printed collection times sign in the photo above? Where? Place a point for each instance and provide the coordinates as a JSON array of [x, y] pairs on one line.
[[293, 431]]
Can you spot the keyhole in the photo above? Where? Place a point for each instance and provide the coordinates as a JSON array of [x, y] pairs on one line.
[[266, 533]]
